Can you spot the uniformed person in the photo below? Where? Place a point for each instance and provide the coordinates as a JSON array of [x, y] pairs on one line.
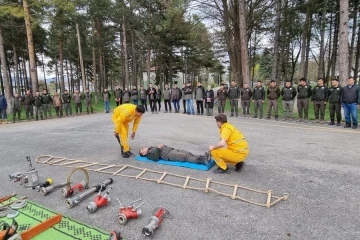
[[46, 103], [167, 99], [15, 106], [232, 148], [273, 94], [134, 95], [334, 95], [162, 152], [66, 97], [304, 93], [234, 95], [246, 95], [118, 93], [122, 116], [38, 106], [258, 99], [77, 100], [152, 98], [221, 96], [88, 101], [319, 99], [28, 105], [143, 97], [288, 94]]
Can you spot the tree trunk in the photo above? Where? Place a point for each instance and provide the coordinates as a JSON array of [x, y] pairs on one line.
[[126, 65], [67, 74], [344, 42], [357, 56], [62, 80], [353, 35], [101, 75], [26, 80], [56, 75], [304, 43], [71, 88], [2, 83], [81, 59], [43, 65], [274, 71], [133, 53], [321, 70], [16, 67], [94, 73], [6, 79], [148, 66], [31, 48], [243, 43], [307, 52], [335, 46]]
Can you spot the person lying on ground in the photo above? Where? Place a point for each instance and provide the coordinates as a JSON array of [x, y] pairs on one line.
[[162, 152]]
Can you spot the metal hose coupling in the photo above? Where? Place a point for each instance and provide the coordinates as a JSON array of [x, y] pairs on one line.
[[155, 221], [72, 201], [51, 188]]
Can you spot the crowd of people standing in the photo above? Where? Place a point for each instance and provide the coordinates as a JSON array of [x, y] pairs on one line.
[[39, 107]]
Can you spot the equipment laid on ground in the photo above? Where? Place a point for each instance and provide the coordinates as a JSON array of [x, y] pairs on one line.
[[49, 189], [99, 201], [7, 197], [70, 202], [31, 177], [69, 190], [115, 235], [11, 202], [48, 182], [9, 232], [208, 185], [131, 211], [15, 176], [159, 214]]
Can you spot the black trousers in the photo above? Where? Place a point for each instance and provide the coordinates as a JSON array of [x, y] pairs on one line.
[[335, 108], [200, 107], [184, 105], [144, 103], [153, 105], [167, 103]]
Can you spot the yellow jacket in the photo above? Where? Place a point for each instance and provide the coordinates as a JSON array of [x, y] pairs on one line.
[[235, 140], [123, 115]]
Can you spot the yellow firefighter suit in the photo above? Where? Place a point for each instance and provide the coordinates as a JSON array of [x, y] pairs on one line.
[[122, 116], [237, 147]]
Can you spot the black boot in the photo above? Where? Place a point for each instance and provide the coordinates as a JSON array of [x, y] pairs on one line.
[[354, 126], [220, 170], [338, 123], [239, 166], [347, 125], [331, 123]]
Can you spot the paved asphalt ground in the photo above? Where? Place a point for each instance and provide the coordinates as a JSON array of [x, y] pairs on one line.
[[317, 165]]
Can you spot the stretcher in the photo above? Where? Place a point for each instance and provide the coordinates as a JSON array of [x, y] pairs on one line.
[[197, 166]]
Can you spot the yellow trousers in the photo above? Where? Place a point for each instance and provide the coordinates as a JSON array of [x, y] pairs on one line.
[[224, 155], [123, 130]]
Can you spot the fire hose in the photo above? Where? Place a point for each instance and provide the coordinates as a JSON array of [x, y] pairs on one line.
[[155, 221], [51, 188], [72, 201], [69, 190], [131, 211], [99, 201]]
